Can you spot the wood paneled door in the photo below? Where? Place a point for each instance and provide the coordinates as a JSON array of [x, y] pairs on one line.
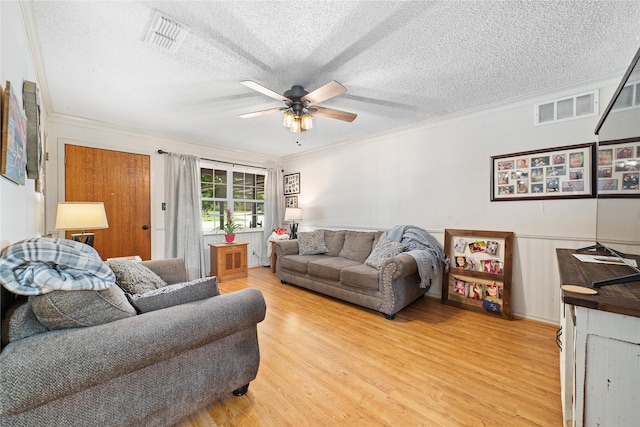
[[120, 180]]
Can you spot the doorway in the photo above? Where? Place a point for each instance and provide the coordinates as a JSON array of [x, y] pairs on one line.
[[122, 181]]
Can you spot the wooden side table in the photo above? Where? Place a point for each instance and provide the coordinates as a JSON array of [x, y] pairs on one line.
[[228, 260], [273, 259]]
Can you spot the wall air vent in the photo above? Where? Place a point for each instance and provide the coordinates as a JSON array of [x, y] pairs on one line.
[[166, 32], [574, 107]]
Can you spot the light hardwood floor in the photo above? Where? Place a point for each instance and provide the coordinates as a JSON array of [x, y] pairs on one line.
[[328, 363]]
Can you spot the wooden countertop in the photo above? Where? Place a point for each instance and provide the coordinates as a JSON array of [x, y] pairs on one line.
[[621, 298]]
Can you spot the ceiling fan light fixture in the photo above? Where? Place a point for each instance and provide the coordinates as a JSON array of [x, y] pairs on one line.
[[306, 121], [288, 118], [295, 126]]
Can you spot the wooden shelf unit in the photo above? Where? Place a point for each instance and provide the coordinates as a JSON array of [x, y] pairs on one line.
[[479, 288], [228, 260]]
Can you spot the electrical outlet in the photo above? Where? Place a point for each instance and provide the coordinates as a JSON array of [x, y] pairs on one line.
[[254, 252]]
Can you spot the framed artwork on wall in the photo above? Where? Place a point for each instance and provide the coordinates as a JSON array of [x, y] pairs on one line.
[[291, 201], [292, 183], [618, 165], [554, 173], [13, 160]]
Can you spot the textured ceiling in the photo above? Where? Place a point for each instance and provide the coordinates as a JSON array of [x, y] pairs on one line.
[[402, 62]]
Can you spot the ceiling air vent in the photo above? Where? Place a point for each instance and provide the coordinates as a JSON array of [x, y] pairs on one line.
[[166, 32]]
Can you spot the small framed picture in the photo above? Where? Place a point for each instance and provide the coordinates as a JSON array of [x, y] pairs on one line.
[[291, 201], [292, 183]]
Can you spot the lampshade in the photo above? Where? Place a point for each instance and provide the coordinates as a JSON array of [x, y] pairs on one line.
[[295, 125], [292, 214], [81, 216], [287, 118], [306, 121]]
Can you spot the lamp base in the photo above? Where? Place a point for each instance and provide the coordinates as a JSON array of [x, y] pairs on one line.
[[293, 234], [86, 238]]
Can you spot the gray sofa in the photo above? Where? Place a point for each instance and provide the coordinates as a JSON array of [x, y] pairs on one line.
[[341, 272], [150, 369]]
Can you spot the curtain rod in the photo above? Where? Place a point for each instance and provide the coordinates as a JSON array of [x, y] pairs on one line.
[[221, 161]]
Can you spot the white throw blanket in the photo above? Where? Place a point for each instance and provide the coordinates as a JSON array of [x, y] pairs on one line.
[[423, 247], [40, 265]]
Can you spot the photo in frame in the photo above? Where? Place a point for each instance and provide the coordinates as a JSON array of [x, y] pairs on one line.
[[291, 201], [560, 172], [618, 172], [292, 183], [13, 159]]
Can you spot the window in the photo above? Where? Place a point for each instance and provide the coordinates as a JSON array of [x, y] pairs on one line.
[[574, 107], [238, 190]]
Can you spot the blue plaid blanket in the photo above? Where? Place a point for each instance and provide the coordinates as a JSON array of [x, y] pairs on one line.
[[40, 265], [423, 247]]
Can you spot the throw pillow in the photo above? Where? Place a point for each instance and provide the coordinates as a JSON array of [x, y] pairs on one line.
[[311, 243], [72, 309], [383, 250], [135, 278], [20, 322], [179, 293]]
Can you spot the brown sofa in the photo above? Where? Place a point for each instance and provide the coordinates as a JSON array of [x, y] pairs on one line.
[[341, 271]]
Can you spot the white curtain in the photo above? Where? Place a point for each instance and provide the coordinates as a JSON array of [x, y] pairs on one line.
[[274, 204], [183, 218]]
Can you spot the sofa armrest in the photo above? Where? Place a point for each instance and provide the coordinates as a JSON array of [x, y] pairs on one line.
[[286, 247], [50, 365], [401, 265]]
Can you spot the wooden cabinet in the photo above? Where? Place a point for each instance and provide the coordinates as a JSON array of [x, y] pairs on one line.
[[228, 260], [600, 346]]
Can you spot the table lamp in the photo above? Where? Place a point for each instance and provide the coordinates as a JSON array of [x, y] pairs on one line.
[[81, 216], [292, 215]]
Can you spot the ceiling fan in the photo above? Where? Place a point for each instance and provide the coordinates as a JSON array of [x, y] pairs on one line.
[[300, 105]]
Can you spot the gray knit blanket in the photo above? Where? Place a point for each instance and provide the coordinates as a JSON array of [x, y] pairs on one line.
[[423, 247], [40, 265]]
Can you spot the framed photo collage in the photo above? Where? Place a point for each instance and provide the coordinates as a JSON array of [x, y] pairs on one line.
[[479, 277], [562, 172]]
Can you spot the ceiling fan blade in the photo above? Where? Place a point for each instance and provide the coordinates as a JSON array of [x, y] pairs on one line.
[[331, 89], [261, 112], [263, 90], [333, 114]]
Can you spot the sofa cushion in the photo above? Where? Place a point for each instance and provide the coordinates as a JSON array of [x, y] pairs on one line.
[[171, 270], [176, 294], [360, 276], [20, 322], [72, 309], [329, 267], [385, 249], [334, 240], [357, 245], [311, 243], [135, 278], [297, 263]]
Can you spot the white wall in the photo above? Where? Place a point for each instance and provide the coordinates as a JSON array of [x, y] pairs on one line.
[[436, 175], [65, 130], [21, 207]]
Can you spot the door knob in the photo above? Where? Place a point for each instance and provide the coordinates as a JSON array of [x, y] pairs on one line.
[[145, 227]]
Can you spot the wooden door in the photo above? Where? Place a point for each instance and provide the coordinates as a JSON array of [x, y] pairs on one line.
[[122, 181]]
